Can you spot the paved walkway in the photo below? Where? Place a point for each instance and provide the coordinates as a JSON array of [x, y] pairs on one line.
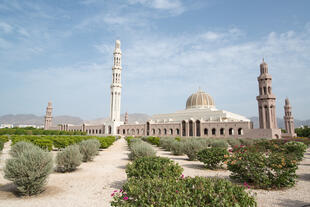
[[91, 185]]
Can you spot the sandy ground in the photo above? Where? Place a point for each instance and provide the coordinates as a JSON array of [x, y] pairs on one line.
[[91, 185], [297, 196], [93, 182]]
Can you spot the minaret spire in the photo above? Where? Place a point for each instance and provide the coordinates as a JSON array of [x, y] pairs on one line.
[[266, 99], [48, 116], [288, 119], [116, 90]]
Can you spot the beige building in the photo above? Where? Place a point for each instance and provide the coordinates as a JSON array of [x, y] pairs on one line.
[[200, 118]]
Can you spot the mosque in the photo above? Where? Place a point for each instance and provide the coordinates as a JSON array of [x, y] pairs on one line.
[[200, 118]]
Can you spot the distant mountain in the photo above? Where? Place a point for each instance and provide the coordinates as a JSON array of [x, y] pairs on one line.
[[30, 119], [280, 121]]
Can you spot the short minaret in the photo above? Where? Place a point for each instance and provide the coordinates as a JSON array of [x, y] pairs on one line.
[[48, 116], [288, 118], [126, 118], [266, 100]]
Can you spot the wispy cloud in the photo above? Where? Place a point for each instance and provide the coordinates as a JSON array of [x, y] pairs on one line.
[[174, 6], [5, 27]]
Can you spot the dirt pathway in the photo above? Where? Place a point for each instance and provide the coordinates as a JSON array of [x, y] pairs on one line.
[[91, 185], [298, 196]]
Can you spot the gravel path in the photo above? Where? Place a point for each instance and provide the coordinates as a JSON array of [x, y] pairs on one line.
[[298, 196], [91, 185]]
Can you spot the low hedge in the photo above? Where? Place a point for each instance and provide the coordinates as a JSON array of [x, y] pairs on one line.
[[61, 142], [153, 167], [152, 140], [197, 191]]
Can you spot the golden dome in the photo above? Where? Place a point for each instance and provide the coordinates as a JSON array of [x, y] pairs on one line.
[[199, 99]]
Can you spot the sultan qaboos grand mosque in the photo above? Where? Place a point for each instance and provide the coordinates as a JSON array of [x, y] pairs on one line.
[[200, 118]]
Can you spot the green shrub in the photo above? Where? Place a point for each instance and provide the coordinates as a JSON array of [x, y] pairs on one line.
[[248, 141], [219, 143], [263, 170], [45, 144], [89, 148], [152, 167], [4, 138], [68, 159], [296, 148], [197, 191], [152, 140], [177, 147], [106, 142], [28, 168], [213, 157], [141, 149]]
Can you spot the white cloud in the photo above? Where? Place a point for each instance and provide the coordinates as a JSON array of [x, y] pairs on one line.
[[174, 6], [5, 27]]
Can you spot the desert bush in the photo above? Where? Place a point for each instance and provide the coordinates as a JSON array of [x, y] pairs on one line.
[[219, 143], [152, 167], [45, 144], [166, 143], [263, 169], [197, 191], [28, 168], [89, 148], [177, 147], [141, 149], [234, 142], [248, 141], [191, 148], [68, 159], [213, 157]]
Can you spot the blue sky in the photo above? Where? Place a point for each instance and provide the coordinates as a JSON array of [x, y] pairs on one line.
[[61, 51]]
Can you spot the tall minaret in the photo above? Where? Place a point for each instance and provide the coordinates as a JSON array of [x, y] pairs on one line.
[[288, 118], [266, 100], [116, 86], [48, 116]]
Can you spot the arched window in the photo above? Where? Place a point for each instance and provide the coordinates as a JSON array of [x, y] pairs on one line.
[[137, 131], [213, 131], [110, 130], [165, 131], [240, 131], [269, 90], [183, 128], [198, 128], [231, 131], [222, 131], [178, 131], [147, 128], [96, 131], [205, 131], [159, 131], [265, 90], [171, 131], [124, 131], [191, 130], [153, 131], [133, 131]]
